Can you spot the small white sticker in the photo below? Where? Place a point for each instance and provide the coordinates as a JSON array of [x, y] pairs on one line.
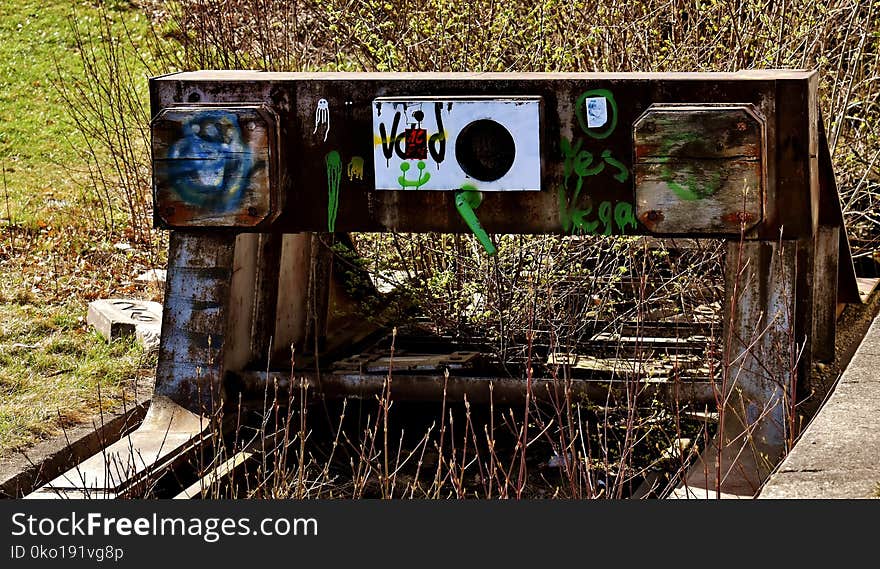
[[597, 112]]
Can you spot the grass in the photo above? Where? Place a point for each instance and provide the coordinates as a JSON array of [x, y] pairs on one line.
[[54, 256], [35, 148], [54, 371]]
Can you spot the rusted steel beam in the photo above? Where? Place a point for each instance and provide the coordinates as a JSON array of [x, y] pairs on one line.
[[760, 371], [195, 319], [831, 216], [331, 147], [477, 389]]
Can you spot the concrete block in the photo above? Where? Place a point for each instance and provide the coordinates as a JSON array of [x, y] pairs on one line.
[[115, 318]]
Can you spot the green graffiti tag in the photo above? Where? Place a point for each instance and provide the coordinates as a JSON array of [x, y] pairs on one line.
[[691, 189], [580, 164], [580, 107], [466, 201], [421, 180], [334, 173]]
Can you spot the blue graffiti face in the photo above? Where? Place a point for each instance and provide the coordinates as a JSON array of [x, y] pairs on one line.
[[210, 166]]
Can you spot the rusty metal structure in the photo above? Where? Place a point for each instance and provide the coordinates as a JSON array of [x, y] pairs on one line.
[[249, 166]]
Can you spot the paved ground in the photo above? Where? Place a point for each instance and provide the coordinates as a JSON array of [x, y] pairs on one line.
[[838, 456]]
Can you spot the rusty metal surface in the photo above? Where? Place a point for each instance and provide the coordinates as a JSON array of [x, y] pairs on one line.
[[700, 169], [758, 385], [327, 172], [194, 320], [476, 389], [831, 215]]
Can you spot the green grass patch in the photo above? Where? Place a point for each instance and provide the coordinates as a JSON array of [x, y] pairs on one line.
[[54, 256], [54, 374], [43, 177]]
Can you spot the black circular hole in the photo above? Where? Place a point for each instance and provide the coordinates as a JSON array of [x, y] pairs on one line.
[[485, 150]]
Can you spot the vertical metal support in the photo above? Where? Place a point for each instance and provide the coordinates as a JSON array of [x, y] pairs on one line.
[[253, 297], [825, 275], [195, 318], [320, 279], [265, 297], [291, 314], [759, 371]]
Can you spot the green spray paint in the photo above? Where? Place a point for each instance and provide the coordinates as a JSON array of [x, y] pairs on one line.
[[622, 171], [690, 189], [466, 201], [334, 174], [580, 164], [421, 180], [580, 108], [624, 216]]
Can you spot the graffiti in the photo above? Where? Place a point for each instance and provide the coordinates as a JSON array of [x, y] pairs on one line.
[[597, 111], [334, 172], [624, 216], [580, 164], [496, 142], [421, 180], [466, 201], [411, 144], [416, 144], [581, 106], [691, 189], [138, 312], [322, 116], [355, 168], [437, 142], [580, 220], [210, 166]]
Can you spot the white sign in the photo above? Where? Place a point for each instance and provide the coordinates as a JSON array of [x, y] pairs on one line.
[[453, 143]]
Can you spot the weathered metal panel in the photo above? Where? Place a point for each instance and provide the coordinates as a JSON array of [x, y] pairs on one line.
[[759, 372], [700, 169], [587, 182], [824, 298], [795, 190], [215, 166]]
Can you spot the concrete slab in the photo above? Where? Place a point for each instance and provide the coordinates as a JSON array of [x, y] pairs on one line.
[[115, 318], [168, 433], [838, 455], [21, 473]]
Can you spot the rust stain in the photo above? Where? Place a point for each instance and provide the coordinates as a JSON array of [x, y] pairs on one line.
[[643, 150], [738, 217], [651, 218]]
